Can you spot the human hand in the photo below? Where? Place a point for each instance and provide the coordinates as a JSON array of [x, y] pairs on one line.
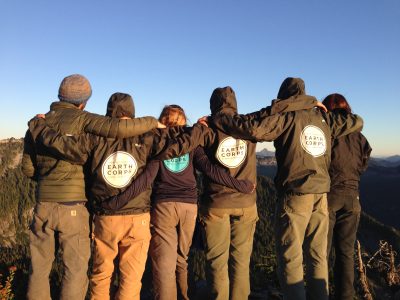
[[41, 116], [161, 125], [321, 106], [203, 121]]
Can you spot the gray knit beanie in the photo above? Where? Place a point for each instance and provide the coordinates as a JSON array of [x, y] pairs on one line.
[[75, 89]]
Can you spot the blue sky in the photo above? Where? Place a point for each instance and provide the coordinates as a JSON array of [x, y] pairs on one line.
[[165, 52]]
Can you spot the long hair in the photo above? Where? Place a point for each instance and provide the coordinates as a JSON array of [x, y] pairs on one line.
[[336, 102], [172, 115]]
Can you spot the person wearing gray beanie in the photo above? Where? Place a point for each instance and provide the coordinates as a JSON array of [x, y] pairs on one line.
[[75, 89]]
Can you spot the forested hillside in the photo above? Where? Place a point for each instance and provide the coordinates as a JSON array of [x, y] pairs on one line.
[[17, 199]]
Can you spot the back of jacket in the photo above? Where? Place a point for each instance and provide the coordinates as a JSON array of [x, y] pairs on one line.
[[303, 153], [58, 180], [237, 155], [350, 155], [113, 165]]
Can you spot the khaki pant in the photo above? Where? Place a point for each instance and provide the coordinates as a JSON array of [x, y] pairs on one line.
[[301, 227], [229, 243], [71, 224], [172, 233], [127, 236]]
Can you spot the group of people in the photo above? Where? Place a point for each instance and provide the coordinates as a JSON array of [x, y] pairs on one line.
[[136, 177]]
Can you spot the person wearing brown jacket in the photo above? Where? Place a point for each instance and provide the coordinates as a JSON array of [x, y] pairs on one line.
[[60, 211], [302, 139]]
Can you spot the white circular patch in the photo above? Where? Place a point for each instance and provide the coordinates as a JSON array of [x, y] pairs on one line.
[[119, 168], [313, 140], [231, 152]]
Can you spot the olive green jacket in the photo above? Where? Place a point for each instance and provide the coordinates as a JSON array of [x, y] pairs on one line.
[[59, 180]]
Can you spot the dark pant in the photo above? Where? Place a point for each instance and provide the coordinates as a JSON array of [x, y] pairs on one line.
[[172, 232], [344, 216]]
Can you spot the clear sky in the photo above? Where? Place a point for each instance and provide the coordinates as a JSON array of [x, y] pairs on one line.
[[177, 52]]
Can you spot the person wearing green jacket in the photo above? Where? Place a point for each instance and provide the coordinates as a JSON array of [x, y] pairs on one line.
[[60, 211], [302, 140]]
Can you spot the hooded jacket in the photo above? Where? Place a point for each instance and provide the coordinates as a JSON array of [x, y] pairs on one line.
[[61, 181], [238, 156], [350, 155], [302, 139], [110, 163]]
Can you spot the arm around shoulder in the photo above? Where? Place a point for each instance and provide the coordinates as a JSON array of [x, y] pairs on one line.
[[118, 128]]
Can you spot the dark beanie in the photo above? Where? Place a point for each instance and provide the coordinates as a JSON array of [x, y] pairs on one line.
[[75, 89], [291, 87], [120, 105]]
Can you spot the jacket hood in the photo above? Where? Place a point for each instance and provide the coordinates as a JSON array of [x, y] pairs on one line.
[[291, 87], [223, 100], [120, 105]]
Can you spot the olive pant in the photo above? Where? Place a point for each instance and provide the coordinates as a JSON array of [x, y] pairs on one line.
[[344, 216], [301, 228], [127, 236], [70, 222], [229, 243], [172, 233]]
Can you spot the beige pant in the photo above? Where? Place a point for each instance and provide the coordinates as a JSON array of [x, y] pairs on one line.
[[301, 228], [128, 237]]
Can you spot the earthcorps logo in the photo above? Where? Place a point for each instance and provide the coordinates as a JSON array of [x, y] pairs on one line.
[[313, 140], [119, 168], [231, 152], [177, 164]]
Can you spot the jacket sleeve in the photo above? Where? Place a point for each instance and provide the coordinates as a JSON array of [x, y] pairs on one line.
[[117, 128], [74, 149], [218, 174], [176, 143], [344, 124], [263, 129], [138, 186], [29, 156], [366, 152]]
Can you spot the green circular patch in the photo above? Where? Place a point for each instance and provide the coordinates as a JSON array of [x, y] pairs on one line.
[[177, 164]]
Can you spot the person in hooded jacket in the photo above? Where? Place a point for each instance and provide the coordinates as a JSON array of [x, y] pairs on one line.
[[229, 217], [303, 147], [174, 208], [60, 210], [112, 164], [349, 159]]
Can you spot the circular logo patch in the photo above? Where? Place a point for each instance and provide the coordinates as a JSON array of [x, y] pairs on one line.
[[119, 168], [313, 140], [231, 152], [177, 164]]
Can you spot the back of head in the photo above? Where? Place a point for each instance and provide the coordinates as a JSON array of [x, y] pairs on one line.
[[172, 115], [291, 87], [336, 102], [75, 89], [120, 105], [223, 99]]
